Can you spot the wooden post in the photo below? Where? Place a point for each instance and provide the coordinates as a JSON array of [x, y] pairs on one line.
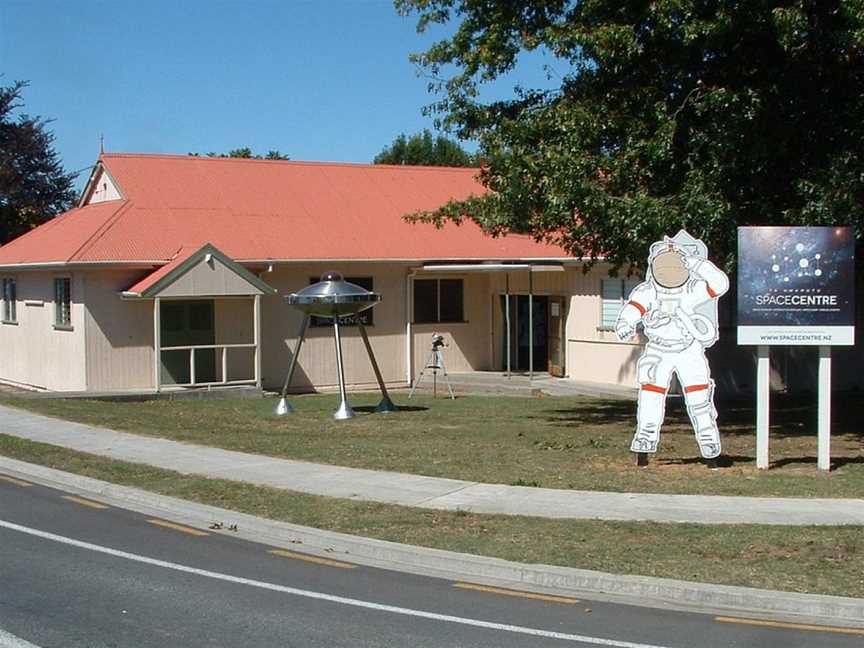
[[256, 324], [157, 343], [530, 326], [507, 319], [224, 364]]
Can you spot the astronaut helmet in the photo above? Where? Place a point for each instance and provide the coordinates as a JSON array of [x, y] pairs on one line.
[[666, 265]]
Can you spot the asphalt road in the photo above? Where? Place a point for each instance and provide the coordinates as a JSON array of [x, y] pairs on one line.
[[75, 575]]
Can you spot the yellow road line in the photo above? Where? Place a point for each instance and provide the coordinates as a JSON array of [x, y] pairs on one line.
[[508, 592], [85, 502], [791, 626], [178, 527], [17, 482], [313, 559]]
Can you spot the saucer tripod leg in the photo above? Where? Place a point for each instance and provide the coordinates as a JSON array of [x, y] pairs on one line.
[[283, 407], [344, 412], [386, 405]]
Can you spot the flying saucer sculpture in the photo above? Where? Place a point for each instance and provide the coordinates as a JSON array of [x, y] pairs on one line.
[[333, 297]]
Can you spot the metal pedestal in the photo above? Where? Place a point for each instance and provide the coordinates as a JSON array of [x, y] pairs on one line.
[[344, 411]]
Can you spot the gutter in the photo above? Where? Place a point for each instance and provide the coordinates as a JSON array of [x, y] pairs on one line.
[[50, 265]]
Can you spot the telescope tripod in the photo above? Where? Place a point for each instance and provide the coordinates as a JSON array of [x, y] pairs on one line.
[[435, 362]]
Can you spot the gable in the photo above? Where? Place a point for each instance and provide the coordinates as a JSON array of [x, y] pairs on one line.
[[211, 277], [100, 188], [199, 272]]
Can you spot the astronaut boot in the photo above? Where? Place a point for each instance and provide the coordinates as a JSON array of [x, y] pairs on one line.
[[703, 416], [649, 419]]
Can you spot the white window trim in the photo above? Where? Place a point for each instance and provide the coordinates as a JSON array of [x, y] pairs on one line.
[[14, 319], [623, 286], [57, 325]]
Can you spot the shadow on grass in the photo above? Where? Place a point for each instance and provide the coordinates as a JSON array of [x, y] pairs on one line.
[[370, 409], [792, 415], [724, 461], [836, 462]]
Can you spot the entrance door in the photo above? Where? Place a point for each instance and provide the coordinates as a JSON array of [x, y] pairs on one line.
[[187, 323], [520, 350], [556, 336]]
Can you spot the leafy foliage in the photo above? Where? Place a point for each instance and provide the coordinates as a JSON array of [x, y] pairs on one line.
[[246, 152], [675, 113], [423, 149], [33, 185]]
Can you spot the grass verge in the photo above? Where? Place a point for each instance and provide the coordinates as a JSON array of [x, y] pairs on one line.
[[824, 560], [555, 442]]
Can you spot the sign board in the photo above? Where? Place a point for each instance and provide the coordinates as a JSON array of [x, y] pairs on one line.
[[796, 286]]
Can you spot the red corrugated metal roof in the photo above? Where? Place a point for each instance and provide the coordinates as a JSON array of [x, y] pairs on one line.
[[182, 254], [261, 209]]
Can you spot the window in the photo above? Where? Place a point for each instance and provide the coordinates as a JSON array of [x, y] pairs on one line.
[[614, 294], [438, 300], [367, 317], [63, 302], [9, 298]]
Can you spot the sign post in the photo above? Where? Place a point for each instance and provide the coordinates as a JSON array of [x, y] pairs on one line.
[[824, 433], [763, 404], [796, 287]]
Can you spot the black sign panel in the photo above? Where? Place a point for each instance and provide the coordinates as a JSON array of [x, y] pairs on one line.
[[796, 285]]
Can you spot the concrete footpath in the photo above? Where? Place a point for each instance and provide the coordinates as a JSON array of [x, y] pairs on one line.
[[426, 492]]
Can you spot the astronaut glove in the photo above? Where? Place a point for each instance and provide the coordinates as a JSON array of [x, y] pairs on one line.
[[692, 263], [624, 331]]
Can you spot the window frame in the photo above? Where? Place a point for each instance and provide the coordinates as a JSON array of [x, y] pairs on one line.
[[63, 304], [625, 286], [438, 294], [10, 307]]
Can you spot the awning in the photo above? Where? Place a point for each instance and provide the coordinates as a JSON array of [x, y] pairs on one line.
[[491, 267]]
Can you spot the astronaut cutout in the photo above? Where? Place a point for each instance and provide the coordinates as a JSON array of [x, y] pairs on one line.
[[677, 307]]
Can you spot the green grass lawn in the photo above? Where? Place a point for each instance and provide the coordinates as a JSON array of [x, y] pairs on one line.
[[555, 442], [824, 560]]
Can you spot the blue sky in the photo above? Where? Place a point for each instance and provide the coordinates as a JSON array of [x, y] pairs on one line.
[[325, 80]]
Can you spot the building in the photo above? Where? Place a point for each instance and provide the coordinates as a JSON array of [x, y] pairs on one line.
[[172, 271]]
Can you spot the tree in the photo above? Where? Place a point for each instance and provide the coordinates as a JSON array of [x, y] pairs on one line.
[[246, 152], [33, 185], [423, 149], [676, 113]]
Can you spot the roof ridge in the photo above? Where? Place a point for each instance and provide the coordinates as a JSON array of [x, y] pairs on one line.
[[99, 232], [312, 163]]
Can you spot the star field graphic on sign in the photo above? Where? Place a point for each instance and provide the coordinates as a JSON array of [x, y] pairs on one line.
[[795, 277]]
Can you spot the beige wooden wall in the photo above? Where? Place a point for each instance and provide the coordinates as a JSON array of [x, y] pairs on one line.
[[317, 361], [119, 333], [469, 341], [33, 352]]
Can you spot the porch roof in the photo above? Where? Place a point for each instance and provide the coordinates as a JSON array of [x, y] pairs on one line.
[[198, 271]]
